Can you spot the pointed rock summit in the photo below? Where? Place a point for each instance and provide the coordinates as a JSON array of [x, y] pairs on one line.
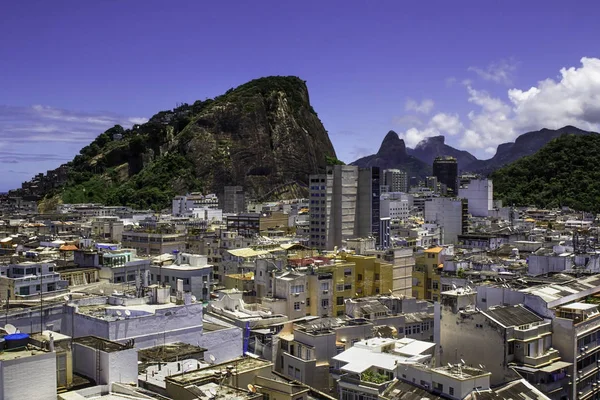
[[392, 154], [430, 148], [392, 144]]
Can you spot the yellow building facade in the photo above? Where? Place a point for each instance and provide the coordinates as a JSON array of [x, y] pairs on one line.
[[351, 276], [426, 275]]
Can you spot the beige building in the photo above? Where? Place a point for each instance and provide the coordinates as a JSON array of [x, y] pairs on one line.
[[153, 243]]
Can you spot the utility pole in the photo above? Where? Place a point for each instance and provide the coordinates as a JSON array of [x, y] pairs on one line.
[[41, 298]]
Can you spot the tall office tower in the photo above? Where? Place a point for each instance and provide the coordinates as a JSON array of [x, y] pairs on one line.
[[344, 204], [233, 200], [368, 203], [396, 180], [445, 169]]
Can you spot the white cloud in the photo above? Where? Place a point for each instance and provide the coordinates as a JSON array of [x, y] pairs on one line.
[[572, 99], [499, 72], [423, 107], [447, 123]]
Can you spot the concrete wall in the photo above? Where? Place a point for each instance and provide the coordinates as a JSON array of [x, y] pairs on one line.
[[31, 377], [117, 366], [225, 344], [474, 340]]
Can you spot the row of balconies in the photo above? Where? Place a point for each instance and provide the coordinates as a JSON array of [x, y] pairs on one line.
[[542, 359], [533, 332]]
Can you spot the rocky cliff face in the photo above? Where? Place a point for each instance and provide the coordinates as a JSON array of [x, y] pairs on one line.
[[430, 148], [393, 154], [263, 135], [525, 145]]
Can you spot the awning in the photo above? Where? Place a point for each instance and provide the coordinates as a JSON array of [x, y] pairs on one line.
[[247, 252], [68, 247], [556, 366]]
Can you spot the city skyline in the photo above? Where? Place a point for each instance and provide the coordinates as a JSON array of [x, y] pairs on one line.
[[416, 69]]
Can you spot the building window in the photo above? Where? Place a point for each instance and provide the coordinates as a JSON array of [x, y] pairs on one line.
[[347, 271], [359, 277], [340, 300], [376, 277], [296, 305], [451, 391], [290, 371], [325, 303], [308, 302], [324, 285], [339, 288], [511, 348], [435, 285], [348, 287], [297, 289]]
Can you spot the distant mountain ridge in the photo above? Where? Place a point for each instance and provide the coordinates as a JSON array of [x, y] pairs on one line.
[[525, 145], [430, 148], [393, 152]]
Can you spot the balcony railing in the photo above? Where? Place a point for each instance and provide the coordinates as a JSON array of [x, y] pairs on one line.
[[532, 333], [542, 359], [379, 387]]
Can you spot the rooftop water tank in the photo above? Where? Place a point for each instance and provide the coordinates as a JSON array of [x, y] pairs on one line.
[[16, 340]]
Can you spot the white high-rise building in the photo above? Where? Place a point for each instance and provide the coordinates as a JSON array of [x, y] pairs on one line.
[[450, 214], [480, 193], [344, 204], [396, 206]]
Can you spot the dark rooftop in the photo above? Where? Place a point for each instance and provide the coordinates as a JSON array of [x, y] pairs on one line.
[[400, 390], [512, 316], [169, 352], [514, 390], [99, 343]]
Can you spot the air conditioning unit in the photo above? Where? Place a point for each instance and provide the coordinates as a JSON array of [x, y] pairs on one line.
[[325, 291], [296, 294]]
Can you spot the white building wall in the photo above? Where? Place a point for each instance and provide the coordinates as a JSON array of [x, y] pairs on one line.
[[31, 377], [480, 193], [117, 366], [447, 213]]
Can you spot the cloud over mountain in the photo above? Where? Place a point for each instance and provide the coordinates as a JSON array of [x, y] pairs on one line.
[[572, 99]]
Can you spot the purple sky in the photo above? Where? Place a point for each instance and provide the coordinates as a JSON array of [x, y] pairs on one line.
[[71, 69]]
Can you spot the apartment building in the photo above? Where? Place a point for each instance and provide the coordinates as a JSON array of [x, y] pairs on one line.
[[504, 339], [344, 203], [450, 214], [192, 269], [396, 180], [427, 274], [28, 279], [153, 243], [480, 195]]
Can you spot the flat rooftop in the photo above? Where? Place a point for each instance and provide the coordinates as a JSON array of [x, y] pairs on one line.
[[512, 316], [170, 351], [99, 343], [240, 365], [21, 353]]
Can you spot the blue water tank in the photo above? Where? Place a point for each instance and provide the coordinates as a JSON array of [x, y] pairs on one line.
[[16, 340]]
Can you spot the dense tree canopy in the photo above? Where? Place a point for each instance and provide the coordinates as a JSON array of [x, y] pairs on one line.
[[565, 172]]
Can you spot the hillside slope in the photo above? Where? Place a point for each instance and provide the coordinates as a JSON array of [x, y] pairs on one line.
[[525, 145], [262, 135], [563, 173]]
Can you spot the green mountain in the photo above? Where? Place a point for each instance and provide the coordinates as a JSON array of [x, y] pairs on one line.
[[263, 135], [562, 173]]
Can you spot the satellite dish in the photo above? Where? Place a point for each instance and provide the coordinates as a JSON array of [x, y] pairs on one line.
[[66, 297], [194, 299], [481, 366], [10, 329], [101, 291], [462, 361], [453, 286], [127, 312], [118, 313], [212, 358], [251, 388], [449, 365]]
